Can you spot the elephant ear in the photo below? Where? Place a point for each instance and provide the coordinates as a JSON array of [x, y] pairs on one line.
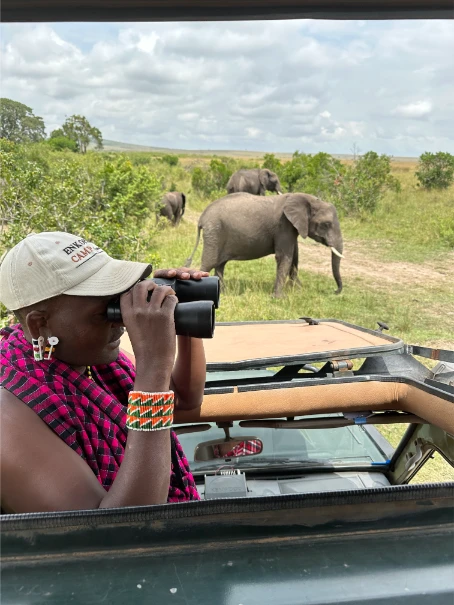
[[264, 177], [297, 211]]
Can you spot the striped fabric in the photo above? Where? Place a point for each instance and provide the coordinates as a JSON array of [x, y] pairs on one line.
[[90, 416]]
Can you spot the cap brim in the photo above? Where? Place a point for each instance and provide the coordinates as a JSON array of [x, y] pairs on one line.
[[114, 277]]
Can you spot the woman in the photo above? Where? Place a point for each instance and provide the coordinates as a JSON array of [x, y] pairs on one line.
[[80, 427]]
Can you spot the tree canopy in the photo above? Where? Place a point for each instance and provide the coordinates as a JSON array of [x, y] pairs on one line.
[[19, 124], [78, 129]]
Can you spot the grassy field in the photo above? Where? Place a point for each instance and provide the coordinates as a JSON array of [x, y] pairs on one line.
[[398, 268]]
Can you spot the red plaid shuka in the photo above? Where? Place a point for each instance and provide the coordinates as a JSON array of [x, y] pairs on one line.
[[245, 448], [90, 418]]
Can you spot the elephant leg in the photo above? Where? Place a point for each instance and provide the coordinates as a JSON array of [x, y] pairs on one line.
[[219, 272], [284, 263], [294, 268], [208, 260]]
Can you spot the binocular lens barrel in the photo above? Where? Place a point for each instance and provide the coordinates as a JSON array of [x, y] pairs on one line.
[[195, 314], [189, 290]]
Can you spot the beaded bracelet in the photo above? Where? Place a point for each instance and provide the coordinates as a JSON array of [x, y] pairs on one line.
[[150, 411]]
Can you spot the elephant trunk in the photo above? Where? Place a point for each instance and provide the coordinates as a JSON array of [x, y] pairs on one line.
[[336, 255]]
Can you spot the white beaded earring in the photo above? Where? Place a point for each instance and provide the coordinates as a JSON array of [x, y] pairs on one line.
[[52, 342]]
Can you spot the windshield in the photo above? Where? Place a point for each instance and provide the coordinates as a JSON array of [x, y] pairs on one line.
[[350, 445]]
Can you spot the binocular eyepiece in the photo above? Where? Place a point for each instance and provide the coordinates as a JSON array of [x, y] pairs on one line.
[[195, 310]]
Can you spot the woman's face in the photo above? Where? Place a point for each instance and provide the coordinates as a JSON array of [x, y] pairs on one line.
[[86, 336]]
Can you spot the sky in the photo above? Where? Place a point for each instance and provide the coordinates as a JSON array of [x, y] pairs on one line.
[[275, 86]]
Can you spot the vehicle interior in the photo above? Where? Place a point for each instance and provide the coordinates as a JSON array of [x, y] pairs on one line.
[[316, 426]]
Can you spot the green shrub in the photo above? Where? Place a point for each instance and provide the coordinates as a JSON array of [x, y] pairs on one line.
[[274, 164], [435, 170], [108, 202], [212, 181], [171, 160], [61, 143], [294, 172], [360, 186], [305, 173]]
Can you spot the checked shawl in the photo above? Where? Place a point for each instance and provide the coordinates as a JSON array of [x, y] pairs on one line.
[[90, 418]]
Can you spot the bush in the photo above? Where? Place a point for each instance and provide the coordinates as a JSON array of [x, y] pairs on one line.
[[359, 187], [273, 163], [293, 172], [435, 170], [171, 160], [107, 202], [212, 181], [60, 143]]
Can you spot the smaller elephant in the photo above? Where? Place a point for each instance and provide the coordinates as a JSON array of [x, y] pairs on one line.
[[256, 181], [172, 207]]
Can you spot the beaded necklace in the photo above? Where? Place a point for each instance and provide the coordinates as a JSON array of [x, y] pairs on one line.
[[89, 374]]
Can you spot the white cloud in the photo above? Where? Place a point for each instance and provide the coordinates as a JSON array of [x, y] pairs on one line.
[[261, 85], [419, 109]]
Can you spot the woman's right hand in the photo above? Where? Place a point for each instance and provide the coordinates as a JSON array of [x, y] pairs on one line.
[[151, 329]]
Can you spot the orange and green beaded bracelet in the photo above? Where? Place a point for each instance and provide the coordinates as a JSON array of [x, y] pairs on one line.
[[150, 411]]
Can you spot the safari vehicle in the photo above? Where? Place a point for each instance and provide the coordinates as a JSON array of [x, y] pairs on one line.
[[303, 501], [318, 507]]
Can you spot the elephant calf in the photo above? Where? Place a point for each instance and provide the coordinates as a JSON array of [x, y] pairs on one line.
[[241, 226], [257, 181], [172, 207]]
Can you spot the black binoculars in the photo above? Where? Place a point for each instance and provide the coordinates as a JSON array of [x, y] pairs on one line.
[[195, 310]]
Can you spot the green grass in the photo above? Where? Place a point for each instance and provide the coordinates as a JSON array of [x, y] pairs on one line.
[[414, 225]]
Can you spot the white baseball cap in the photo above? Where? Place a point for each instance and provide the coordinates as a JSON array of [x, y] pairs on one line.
[[51, 263]]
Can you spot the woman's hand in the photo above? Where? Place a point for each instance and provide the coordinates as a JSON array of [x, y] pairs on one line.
[[189, 373], [148, 314], [181, 273]]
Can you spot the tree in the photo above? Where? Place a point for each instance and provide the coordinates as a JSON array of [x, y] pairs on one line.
[[79, 129], [435, 170], [19, 124]]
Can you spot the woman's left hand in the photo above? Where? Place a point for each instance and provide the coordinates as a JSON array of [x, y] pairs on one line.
[[181, 273]]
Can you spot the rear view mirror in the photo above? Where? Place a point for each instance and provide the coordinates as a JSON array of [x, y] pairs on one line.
[[232, 448]]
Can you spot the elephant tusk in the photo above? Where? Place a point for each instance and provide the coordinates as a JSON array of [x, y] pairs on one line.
[[279, 193], [334, 251]]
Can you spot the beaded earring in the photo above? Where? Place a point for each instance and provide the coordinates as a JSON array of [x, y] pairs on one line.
[[52, 342], [38, 348]]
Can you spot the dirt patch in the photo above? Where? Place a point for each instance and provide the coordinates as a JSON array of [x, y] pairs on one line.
[[361, 260]]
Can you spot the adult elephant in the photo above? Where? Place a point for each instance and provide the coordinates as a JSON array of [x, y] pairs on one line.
[[241, 226], [172, 206], [256, 181]]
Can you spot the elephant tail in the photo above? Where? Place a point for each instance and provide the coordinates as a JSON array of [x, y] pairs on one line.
[[189, 260]]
